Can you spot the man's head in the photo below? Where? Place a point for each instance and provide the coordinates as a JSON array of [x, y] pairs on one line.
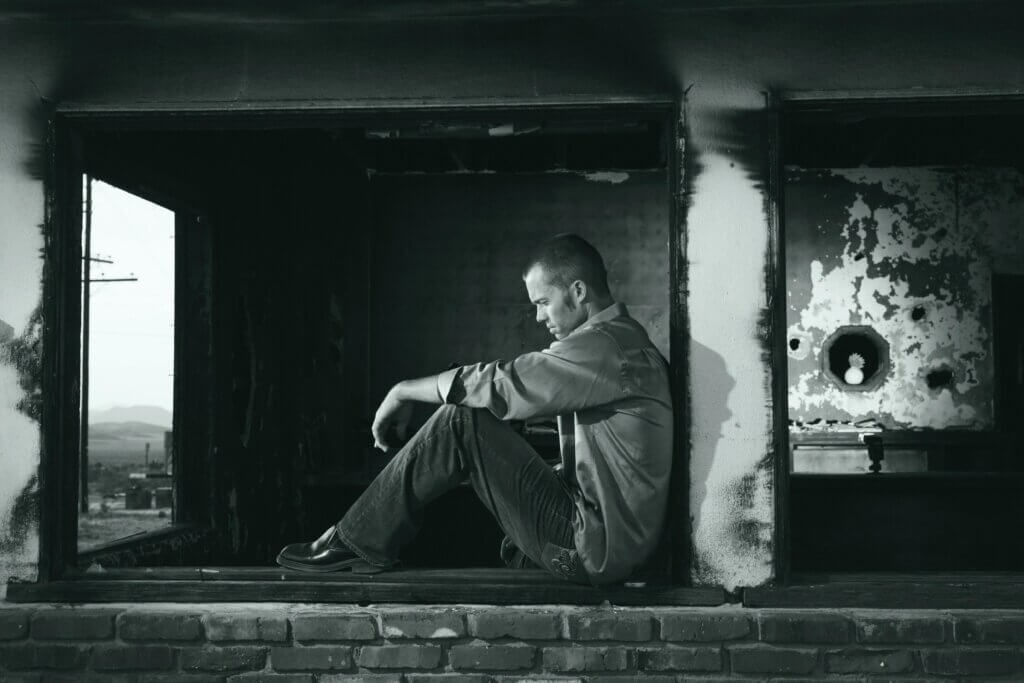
[[566, 280]]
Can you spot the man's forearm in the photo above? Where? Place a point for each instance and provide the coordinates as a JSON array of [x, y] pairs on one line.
[[423, 389]]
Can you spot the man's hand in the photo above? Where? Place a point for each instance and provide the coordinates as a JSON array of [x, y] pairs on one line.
[[392, 412], [396, 408]]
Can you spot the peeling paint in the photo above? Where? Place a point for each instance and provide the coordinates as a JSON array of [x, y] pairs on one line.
[[19, 487], [899, 250]]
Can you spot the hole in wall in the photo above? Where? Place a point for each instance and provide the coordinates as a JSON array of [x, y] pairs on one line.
[[918, 313], [940, 377], [799, 345], [856, 358]]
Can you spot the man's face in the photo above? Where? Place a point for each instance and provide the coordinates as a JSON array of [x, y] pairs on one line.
[[559, 309]]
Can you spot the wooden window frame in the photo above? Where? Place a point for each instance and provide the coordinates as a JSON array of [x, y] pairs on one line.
[[59, 576]]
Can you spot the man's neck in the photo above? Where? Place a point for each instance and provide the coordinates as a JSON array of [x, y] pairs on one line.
[[595, 307]]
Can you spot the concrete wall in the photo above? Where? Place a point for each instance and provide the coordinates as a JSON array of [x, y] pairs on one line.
[[725, 60]]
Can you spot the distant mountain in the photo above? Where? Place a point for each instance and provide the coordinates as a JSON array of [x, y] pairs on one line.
[[149, 415], [136, 431]]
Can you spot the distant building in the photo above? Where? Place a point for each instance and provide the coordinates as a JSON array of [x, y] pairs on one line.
[[6, 332]]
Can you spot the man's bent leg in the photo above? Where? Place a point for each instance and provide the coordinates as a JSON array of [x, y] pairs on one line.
[[528, 499]]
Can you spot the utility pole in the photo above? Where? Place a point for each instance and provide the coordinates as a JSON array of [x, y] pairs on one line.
[[87, 280], [83, 494]]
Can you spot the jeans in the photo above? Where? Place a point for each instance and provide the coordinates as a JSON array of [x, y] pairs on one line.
[[531, 502]]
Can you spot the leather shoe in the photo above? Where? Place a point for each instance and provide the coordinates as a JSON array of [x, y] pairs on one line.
[[326, 554]]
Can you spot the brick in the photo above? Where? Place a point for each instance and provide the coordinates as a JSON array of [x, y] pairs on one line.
[[989, 662], [606, 625], [40, 656], [586, 658], [704, 628], [451, 678], [241, 627], [869, 661], [73, 624], [360, 678], [509, 623], [755, 659], [232, 658], [24, 678], [790, 627], [485, 657], [159, 626], [399, 656], [132, 657], [989, 631], [907, 630], [13, 624], [261, 676], [316, 658], [641, 678], [423, 624], [675, 658], [323, 627]]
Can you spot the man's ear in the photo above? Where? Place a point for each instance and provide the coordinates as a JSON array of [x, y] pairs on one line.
[[580, 291]]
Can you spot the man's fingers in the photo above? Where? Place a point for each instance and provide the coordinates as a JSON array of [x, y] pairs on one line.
[[378, 430]]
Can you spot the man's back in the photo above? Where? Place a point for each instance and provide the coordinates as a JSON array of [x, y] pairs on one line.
[[623, 452]]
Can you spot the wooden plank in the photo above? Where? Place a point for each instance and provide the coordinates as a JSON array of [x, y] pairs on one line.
[[892, 595], [775, 287], [678, 525], [994, 480], [980, 577], [905, 438], [61, 307], [485, 575], [363, 591]]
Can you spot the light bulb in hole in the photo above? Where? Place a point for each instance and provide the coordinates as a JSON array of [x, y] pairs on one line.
[[854, 374]]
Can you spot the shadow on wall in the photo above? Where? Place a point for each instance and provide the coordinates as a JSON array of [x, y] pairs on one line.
[[710, 386]]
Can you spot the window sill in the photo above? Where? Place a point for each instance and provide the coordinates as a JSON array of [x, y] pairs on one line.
[[961, 590], [266, 584]]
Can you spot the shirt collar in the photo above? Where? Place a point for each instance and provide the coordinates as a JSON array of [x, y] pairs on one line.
[[614, 311]]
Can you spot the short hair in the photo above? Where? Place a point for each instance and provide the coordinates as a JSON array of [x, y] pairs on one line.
[[567, 258]]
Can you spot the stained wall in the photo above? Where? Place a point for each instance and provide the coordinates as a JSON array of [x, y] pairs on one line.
[[909, 252], [725, 60]]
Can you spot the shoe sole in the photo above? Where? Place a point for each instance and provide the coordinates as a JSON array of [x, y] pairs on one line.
[[356, 566]]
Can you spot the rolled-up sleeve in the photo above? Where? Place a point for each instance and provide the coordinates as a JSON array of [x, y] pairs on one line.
[[579, 372]]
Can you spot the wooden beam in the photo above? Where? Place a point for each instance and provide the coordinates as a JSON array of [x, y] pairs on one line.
[[895, 594], [480, 586]]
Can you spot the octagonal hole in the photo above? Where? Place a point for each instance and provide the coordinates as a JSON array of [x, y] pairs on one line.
[[856, 358]]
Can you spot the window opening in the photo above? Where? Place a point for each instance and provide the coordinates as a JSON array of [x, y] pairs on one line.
[[303, 290], [899, 232], [128, 284]]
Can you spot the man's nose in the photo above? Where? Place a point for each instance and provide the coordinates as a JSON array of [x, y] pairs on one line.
[[541, 317]]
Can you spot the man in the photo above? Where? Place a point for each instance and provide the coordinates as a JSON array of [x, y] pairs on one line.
[[606, 383]]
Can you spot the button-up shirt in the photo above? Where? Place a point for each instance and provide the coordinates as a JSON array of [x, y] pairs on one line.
[[608, 387]]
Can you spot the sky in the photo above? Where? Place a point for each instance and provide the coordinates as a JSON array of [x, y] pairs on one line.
[[131, 355]]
